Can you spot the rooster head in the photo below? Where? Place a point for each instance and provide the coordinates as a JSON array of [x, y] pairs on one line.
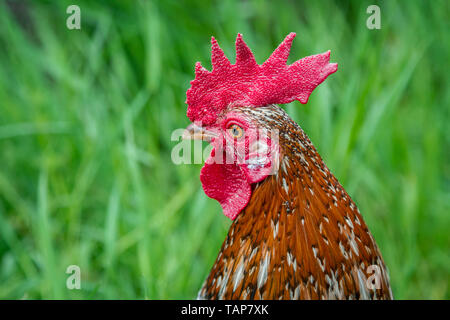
[[230, 107]]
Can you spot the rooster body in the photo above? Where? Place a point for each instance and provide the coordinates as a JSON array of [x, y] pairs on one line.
[[301, 236], [296, 233]]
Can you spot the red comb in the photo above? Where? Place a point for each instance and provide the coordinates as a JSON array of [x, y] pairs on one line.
[[247, 83]]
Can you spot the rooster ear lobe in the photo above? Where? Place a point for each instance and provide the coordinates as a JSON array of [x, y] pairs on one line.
[[262, 159], [257, 167]]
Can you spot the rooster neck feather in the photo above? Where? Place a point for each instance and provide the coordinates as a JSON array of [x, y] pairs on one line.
[[301, 236]]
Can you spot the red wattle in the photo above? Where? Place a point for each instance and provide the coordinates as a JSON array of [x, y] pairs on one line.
[[227, 184]]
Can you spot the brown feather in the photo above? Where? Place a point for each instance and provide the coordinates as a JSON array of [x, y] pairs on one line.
[[301, 236]]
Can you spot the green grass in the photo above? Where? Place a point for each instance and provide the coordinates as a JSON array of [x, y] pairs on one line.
[[86, 117]]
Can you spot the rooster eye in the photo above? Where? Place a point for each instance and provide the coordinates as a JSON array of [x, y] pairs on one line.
[[235, 131]]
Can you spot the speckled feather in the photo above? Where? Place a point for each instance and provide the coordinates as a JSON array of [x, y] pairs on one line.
[[301, 236]]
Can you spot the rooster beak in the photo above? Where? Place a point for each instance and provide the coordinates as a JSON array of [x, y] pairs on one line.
[[194, 132]]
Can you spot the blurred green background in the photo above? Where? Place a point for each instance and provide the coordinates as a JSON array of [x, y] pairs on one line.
[[86, 118]]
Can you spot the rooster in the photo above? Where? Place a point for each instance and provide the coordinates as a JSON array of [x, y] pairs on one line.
[[296, 233]]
